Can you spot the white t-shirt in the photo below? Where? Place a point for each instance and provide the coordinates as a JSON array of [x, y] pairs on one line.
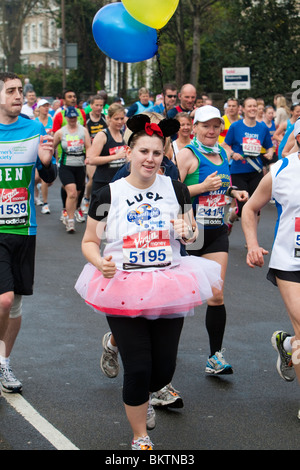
[[139, 233], [28, 110]]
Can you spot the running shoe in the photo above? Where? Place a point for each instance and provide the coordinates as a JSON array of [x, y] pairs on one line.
[[109, 360], [231, 214], [168, 397], [70, 226], [45, 209], [85, 205], [151, 421], [64, 216], [216, 365], [8, 382], [142, 443], [284, 363], [79, 216], [39, 199]]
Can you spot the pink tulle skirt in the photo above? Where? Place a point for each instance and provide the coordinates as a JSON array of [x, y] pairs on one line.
[[162, 293]]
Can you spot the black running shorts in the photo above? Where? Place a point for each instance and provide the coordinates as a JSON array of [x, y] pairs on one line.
[[17, 256], [291, 276], [72, 175]]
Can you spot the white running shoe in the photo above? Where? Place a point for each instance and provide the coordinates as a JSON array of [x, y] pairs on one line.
[[70, 226], [142, 443], [45, 209], [8, 382], [79, 216], [167, 397], [151, 421], [109, 359]]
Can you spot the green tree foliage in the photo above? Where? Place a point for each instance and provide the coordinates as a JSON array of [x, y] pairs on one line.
[[262, 35]]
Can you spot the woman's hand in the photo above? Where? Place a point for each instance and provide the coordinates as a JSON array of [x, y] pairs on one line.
[[241, 196], [183, 230], [107, 267], [212, 183]]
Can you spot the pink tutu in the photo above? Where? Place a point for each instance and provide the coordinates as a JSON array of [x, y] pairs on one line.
[[170, 292]]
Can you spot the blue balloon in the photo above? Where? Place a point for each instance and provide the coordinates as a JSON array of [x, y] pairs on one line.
[[121, 37]]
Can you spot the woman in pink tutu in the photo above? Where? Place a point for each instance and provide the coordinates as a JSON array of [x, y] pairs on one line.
[[142, 283]]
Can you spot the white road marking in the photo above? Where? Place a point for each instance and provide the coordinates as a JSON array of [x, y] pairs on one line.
[[55, 437]]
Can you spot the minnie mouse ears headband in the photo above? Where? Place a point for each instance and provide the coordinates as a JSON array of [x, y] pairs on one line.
[[142, 122]]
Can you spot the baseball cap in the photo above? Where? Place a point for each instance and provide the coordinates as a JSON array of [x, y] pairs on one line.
[[71, 112], [41, 102], [207, 112], [297, 127]]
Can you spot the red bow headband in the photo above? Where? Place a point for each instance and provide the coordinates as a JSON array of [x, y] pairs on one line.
[[152, 128], [142, 122]]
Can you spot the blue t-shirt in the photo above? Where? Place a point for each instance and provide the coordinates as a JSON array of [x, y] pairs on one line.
[[289, 130], [49, 124], [247, 141]]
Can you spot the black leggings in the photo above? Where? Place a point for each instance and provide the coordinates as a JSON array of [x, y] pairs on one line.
[[148, 349], [247, 182]]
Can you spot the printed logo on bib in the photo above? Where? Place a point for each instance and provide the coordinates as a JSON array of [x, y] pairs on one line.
[[297, 238], [120, 161], [251, 147], [147, 249], [75, 145], [13, 206], [211, 209]]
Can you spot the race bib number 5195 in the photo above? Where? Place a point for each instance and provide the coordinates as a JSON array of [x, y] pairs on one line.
[[147, 249]]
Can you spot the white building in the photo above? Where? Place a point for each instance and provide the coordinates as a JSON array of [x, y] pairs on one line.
[[41, 38]]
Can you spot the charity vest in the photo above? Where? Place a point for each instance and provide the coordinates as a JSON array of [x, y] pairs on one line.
[[286, 192], [209, 207]]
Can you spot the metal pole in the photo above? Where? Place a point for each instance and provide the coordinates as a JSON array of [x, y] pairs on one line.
[[63, 26]]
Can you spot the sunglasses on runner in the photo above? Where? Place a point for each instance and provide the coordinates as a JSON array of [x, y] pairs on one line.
[[172, 96]]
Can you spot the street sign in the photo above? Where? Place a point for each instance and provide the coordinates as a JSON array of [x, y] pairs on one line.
[[236, 78], [71, 56]]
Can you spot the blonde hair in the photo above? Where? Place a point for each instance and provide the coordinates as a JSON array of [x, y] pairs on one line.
[[115, 108], [143, 91], [281, 103]]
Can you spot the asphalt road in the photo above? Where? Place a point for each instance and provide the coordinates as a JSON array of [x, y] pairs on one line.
[[58, 349]]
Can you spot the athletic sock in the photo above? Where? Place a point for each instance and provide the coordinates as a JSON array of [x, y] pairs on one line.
[[110, 346], [287, 344], [4, 361]]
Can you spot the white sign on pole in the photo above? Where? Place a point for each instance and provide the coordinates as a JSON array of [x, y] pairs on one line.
[[236, 78]]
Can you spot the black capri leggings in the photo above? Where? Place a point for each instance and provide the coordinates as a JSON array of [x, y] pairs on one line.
[[148, 349]]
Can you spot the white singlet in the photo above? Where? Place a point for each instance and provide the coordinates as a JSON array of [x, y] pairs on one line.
[[286, 192]]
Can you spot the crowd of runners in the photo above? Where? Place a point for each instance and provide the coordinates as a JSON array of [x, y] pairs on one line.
[[174, 174]]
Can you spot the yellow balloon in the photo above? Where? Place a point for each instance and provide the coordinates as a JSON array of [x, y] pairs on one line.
[[153, 13]]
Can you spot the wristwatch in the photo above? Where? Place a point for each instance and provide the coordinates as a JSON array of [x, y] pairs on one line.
[[230, 189]]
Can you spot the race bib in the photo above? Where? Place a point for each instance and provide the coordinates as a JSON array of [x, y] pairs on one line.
[[75, 146], [211, 209], [297, 238], [13, 206], [120, 162], [251, 147], [147, 249]]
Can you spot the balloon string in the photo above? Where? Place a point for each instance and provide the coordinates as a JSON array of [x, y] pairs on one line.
[[160, 72]]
